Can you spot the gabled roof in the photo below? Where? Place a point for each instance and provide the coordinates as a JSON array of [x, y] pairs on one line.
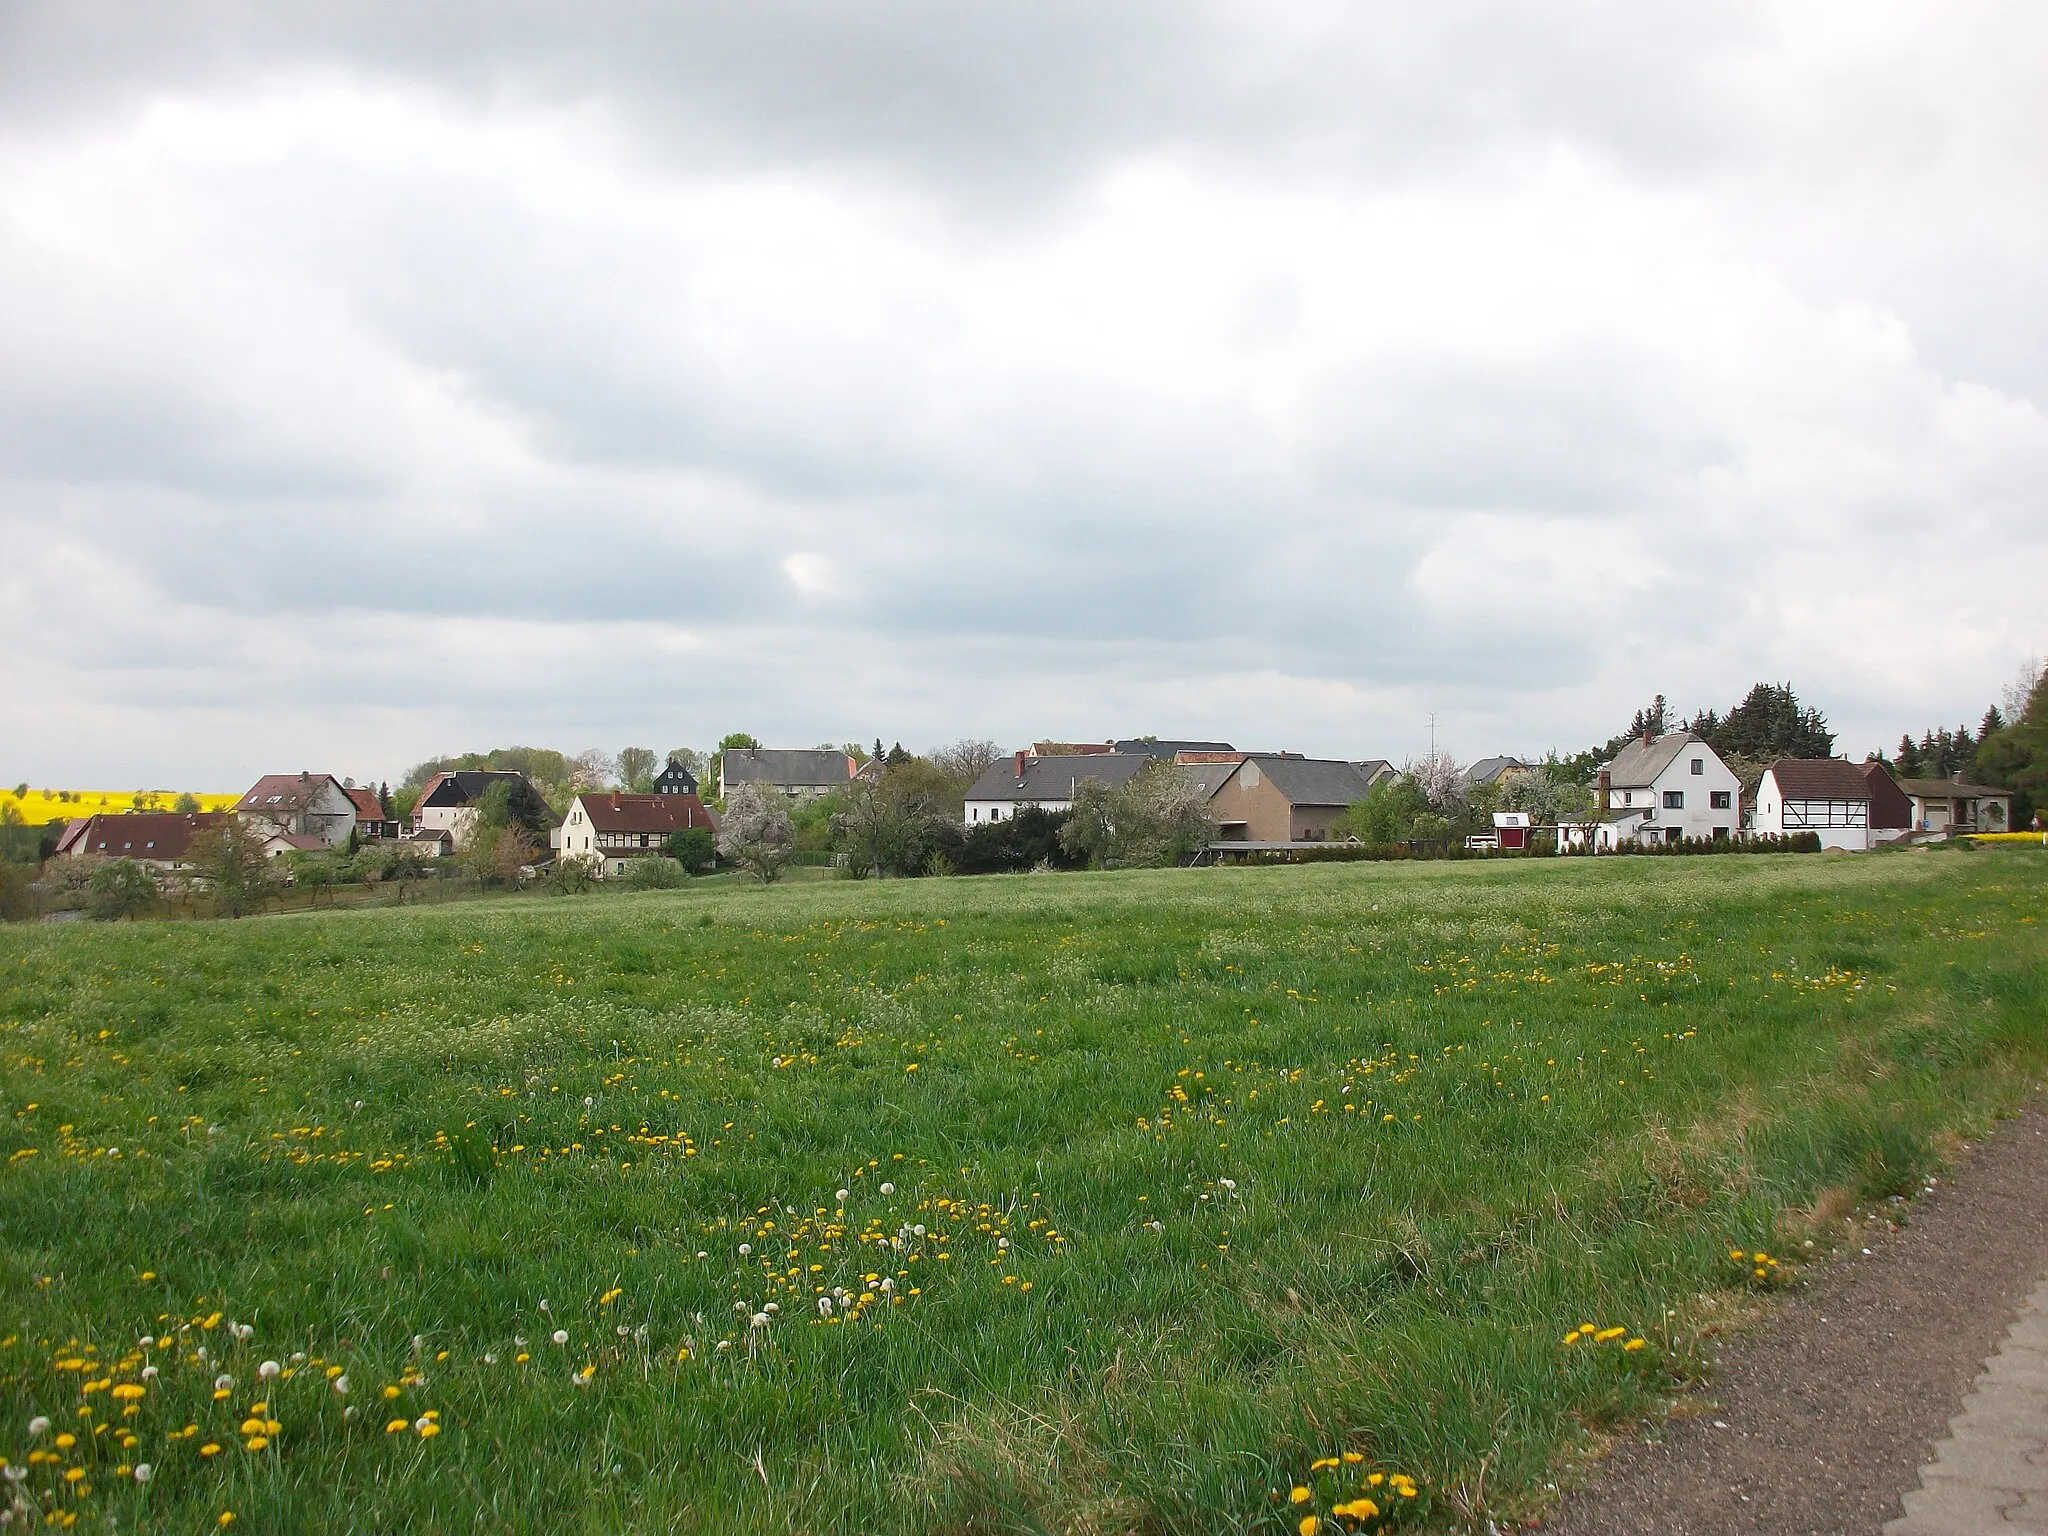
[[276, 792], [1952, 789], [1637, 766], [1154, 747], [616, 811], [1210, 777], [464, 786], [1375, 769], [784, 766], [1054, 778], [366, 804], [1820, 778], [1315, 780], [1487, 769], [138, 835]]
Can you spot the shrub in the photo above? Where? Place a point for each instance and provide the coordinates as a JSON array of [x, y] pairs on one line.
[[694, 848], [1027, 840], [121, 888], [655, 874], [574, 873]]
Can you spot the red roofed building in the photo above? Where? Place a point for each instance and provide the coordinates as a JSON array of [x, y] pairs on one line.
[[160, 838], [371, 822], [615, 828]]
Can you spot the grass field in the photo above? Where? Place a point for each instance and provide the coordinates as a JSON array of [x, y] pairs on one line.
[[1217, 1200]]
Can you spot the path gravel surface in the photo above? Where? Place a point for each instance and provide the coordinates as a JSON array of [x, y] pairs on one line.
[[1822, 1420]]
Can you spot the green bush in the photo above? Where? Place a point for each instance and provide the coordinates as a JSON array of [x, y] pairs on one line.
[[694, 848], [655, 874]]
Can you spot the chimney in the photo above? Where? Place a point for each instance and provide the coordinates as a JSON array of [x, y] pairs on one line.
[[1021, 757], [1649, 737], [1606, 788]]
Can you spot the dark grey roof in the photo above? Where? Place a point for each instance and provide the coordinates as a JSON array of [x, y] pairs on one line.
[[1315, 780], [1208, 777], [1375, 769], [784, 766], [1636, 766], [1487, 769], [466, 786], [1053, 778], [1154, 747]]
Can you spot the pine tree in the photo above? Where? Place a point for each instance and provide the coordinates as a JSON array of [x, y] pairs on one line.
[[1909, 758]]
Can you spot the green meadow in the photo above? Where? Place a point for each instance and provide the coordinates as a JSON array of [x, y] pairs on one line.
[[1185, 1201]]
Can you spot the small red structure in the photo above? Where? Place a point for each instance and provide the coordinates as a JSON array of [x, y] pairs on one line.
[[1511, 829]]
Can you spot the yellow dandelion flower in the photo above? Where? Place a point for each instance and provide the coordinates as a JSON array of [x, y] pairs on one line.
[[227, 1518], [209, 1449], [1352, 1458], [1608, 1335], [394, 1426], [1360, 1508], [255, 1442], [1310, 1524], [1300, 1495], [73, 1474], [427, 1429], [1633, 1344], [1323, 1463], [390, 1392]]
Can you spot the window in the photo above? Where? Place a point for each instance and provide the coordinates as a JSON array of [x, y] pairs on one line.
[[1721, 833], [1699, 766], [1720, 799], [1674, 799]]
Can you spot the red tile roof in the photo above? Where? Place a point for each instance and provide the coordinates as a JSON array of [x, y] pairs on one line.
[[367, 808], [1820, 778], [162, 835], [617, 811]]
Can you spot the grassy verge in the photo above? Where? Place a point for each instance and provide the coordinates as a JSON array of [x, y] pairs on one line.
[[1198, 1201]]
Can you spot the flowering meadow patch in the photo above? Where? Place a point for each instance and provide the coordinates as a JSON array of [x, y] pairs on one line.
[[39, 807], [1334, 1198]]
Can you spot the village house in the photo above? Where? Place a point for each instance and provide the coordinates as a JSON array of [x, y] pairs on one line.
[[161, 839], [1950, 806], [1664, 788], [799, 773], [297, 812], [372, 825], [1842, 803], [1496, 770], [1275, 798], [1020, 780], [675, 779], [448, 803], [614, 828]]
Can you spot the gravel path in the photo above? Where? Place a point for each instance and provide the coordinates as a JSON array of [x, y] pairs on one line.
[[1822, 1420]]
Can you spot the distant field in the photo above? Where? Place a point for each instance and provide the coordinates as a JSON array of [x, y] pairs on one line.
[[1193, 1201], [41, 806]]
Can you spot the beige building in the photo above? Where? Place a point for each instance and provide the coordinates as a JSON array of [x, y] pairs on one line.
[[1951, 806], [1272, 799]]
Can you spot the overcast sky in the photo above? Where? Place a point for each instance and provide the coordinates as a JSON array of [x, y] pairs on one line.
[[385, 380]]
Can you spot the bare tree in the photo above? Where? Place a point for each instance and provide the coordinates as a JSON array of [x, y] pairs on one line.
[[965, 760], [591, 769], [2015, 695]]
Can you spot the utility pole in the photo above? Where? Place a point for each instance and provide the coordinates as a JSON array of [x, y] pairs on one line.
[[1432, 735]]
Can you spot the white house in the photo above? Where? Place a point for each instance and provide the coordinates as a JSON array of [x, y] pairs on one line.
[[1821, 795], [297, 811], [1013, 783], [1951, 806], [1667, 788], [613, 828]]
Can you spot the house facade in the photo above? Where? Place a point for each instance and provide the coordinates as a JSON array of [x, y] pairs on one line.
[[302, 811], [1662, 789], [448, 802], [675, 779], [1826, 796], [799, 774], [1949, 806], [162, 839], [372, 825], [1270, 798], [1012, 783], [615, 828]]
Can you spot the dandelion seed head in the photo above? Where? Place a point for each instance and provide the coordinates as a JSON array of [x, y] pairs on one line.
[[561, 1335]]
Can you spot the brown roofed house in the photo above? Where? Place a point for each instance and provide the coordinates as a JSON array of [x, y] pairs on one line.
[[615, 828], [1842, 803], [160, 838]]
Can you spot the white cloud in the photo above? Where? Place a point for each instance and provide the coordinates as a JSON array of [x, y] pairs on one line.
[[361, 389]]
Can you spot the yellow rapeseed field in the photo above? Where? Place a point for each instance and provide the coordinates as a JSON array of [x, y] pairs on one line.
[[38, 806]]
